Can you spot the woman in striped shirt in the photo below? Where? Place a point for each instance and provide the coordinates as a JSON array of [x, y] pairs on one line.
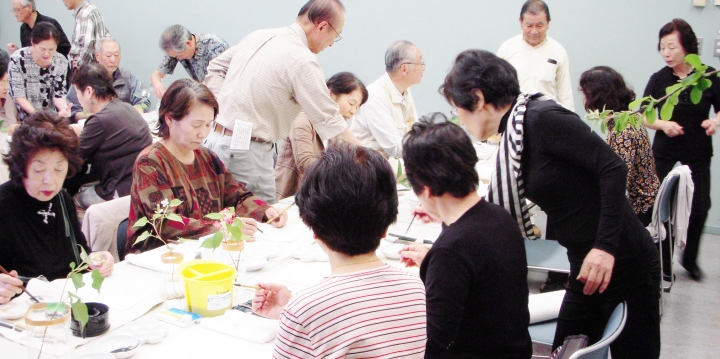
[[364, 308]]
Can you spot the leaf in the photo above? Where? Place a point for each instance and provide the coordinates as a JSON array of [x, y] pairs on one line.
[[673, 88], [173, 217], [603, 126], [157, 215], [56, 307], [175, 202], [235, 232], [213, 242], [696, 95], [605, 114], [141, 222], [694, 60], [214, 216], [667, 110], [80, 313], [83, 255], [97, 279], [143, 236], [635, 104], [238, 223], [77, 280], [399, 171], [674, 98], [650, 114], [72, 265], [691, 80], [704, 84]]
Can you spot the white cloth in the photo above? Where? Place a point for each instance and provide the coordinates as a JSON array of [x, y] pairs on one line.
[[385, 118], [545, 306], [680, 213], [536, 71]]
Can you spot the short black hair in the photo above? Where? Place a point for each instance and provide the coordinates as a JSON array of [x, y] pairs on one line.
[[345, 83], [94, 75], [348, 198], [535, 7], [44, 31], [480, 70], [605, 89], [441, 157], [4, 61], [687, 36]]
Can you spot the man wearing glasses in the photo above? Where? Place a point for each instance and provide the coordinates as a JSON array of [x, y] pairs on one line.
[[390, 110], [25, 12], [263, 83]]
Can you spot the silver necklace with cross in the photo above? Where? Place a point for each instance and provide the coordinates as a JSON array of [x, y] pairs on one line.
[[46, 213]]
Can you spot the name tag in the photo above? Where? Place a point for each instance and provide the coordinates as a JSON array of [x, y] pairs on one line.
[[242, 133]]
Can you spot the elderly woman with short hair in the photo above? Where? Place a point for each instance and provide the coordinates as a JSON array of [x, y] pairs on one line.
[[37, 213], [38, 74], [179, 167]]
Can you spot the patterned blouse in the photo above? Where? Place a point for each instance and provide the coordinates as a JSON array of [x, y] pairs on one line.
[[204, 187], [37, 85], [207, 47], [633, 146]]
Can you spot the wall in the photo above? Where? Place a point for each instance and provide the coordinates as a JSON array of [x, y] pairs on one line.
[[617, 33]]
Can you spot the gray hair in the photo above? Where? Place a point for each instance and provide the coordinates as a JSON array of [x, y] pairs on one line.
[[174, 38], [99, 43], [397, 54], [28, 2]]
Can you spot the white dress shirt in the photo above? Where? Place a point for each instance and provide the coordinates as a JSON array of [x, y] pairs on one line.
[[385, 118], [544, 68]]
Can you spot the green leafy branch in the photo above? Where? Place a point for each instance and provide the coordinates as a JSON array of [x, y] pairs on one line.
[[229, 224], [400, 176], [646, 107], [163, 211]]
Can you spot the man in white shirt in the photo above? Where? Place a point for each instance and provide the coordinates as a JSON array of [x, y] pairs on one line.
[[390, 110], [541, 62]]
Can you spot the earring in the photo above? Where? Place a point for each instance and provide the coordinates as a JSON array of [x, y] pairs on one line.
[[92, 102]]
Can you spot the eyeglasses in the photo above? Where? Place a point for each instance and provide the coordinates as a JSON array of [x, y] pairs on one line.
[[422, 63], [338, 38], [15, 11], [454, 112]]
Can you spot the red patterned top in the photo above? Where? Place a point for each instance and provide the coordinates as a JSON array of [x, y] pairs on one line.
[[204, 187]]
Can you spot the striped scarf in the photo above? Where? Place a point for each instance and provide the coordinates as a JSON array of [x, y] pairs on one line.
[[507, 188]]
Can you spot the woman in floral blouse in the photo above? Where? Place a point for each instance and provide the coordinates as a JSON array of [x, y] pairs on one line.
[[178, 167], [605, 89]]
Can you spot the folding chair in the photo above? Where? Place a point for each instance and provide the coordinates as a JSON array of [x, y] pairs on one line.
[[544, 333], [666, 201]]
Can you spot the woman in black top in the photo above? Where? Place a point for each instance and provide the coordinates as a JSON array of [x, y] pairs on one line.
[[32, 205], [475, 275], [687, 137], [548, 155]]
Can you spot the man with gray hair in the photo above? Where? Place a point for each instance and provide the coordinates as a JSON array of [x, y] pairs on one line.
[[263, 83], [542, 64], [390, 110], [127, 86], [26, 13], [193, 51]]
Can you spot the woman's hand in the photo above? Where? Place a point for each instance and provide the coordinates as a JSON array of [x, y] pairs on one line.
[[270, 300], [249, 226], [65, 112], [103, 262], [672, 129], [9, 286], [596, 271], [710, 126], [278, 220], [423, 215], [413, 254]]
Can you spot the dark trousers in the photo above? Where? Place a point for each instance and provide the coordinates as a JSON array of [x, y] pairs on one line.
[[699, 209], [589, 314]]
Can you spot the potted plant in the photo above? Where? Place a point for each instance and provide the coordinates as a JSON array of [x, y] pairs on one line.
[[229, 236]]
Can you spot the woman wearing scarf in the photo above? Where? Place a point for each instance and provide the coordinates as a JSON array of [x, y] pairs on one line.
[[549, 156]]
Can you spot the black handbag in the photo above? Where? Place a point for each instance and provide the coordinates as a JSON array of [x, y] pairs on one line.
[[571, 344]]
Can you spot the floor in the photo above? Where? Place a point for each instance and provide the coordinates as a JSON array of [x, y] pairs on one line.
[[690, 325]]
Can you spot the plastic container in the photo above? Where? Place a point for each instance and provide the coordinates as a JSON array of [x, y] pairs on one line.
[[208, 286], [48, 331]]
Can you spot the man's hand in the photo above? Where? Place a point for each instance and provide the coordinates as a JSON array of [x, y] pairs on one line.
[[270, 300], [9, 286], [11, 47], [413, 254], [596, 271], [423, 214], [159, 91]]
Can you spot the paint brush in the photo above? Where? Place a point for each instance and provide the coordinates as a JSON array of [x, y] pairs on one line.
[[22, 287]]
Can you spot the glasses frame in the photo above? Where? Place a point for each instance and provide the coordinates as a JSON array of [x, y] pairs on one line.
[[338, 38], [422, 63]]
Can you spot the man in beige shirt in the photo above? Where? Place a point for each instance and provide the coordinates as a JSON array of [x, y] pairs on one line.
[[263, 83], [390, 111]]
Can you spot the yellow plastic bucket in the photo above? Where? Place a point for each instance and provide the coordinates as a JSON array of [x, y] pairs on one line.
[[208, 286]]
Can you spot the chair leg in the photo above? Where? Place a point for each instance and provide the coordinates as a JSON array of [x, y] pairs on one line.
[[670, 242], [662, 288]]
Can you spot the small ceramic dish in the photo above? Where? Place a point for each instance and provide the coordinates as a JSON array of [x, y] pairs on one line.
[[391, 250], [13, 310], [254, 263], [95, 356], [120, 346]]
